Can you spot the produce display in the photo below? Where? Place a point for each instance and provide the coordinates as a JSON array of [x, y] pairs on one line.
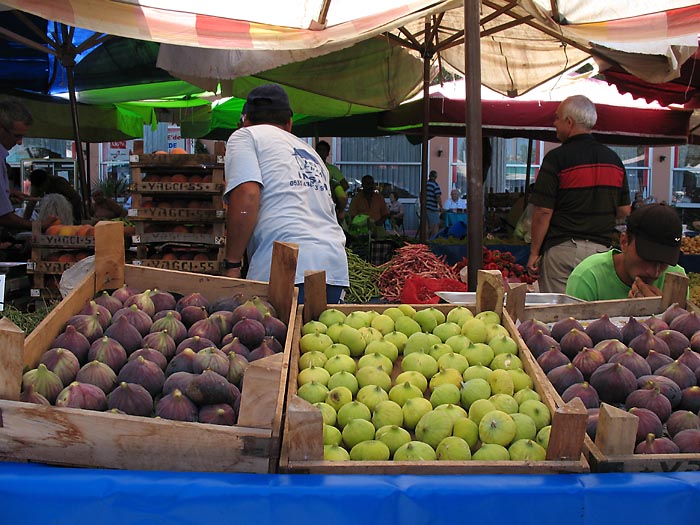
[[417, 385], [690, 245], [363, 279], [694, 287], [649, 367], [154, 353], [505, 262]]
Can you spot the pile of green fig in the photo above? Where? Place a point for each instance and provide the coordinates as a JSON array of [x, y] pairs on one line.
[[419, 385], [649, 367], [154, 353]]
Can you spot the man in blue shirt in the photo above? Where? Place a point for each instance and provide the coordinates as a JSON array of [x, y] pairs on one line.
[[433, 203]]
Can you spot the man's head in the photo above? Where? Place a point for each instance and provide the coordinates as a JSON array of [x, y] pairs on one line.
[[454, 194], [38, 178], [368, 185], [15, 120], [98, 196], [268, 104], [323, 149], [432, 175], [575, 115], [652, 241]]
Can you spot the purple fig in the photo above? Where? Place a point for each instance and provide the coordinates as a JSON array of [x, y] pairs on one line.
[[88, 325], [262, 350], [82, 395], [192, 314], [551, 359], [150, 354], [588, 360], [163, 313], [249, 331], [137, 318], [131, 399], [143, 302], [126, 334], [613, 382], [562, 377], [539, 343], [228, 304], [176, 406], [220, 414], [646, 341], [177, 381], [162, 300], [108, 351], [655, 324], [649, 423], [675, 341], [672, 312], [210, 359], [688, 441], [124, 292], [657, 360], [601, 329], [236, 347], [264, 307], [43, 381], [530, 327], [173, 326], [73, 341], [585, 392], [573, 342], [223, 320], [208, 388], [247, 310], [679, 373], [632, 361], [160, 341], [206, 328], [143, 372], [690, 359], [592, 424], [654, 445], [273, 343], [236, 368], [631, 329], [610, 347], [182, 362], [226, 339], [690, 399], [235, 394], [111, 303], [275, 328], [564, 326], [192, 299], [99, 374], [104, 316], [195, 342], [28, 395], [666, 386], [61, 362], [681, 420], [651, 399], [687, 324]]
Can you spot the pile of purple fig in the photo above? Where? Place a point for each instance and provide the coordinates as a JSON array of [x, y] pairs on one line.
[[151, 353], [649, 367]]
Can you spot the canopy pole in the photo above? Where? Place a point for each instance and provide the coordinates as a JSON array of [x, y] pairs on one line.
[[426, 137], [475, 184], [527, 172], [84, 191]]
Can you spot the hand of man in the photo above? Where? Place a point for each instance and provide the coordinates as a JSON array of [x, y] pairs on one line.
[[18, 197], [642, 289], [533, 265]]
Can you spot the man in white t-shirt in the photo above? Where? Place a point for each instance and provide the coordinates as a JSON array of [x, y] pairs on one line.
[[455, 204], [278, 189]]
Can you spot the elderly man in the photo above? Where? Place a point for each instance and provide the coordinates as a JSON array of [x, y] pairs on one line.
[[455, 203]]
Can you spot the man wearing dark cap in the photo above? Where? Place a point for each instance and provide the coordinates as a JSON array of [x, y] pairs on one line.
[[278, 189], [650, 249]]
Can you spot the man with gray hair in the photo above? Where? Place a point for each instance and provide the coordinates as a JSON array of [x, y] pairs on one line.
[[580, 193], [15, 121]]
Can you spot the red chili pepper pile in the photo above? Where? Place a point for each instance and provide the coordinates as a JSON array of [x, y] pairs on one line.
[[410, 260], [505, 262]]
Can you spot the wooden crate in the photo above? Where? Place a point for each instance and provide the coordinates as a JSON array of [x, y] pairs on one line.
[[302, 446], [612, 451], [73, 437]]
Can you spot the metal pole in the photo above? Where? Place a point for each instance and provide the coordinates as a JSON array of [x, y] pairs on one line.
[[84, 190], [423, 226], [475, 185], [529, 167]]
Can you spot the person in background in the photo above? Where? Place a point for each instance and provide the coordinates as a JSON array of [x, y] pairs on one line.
[[339, 186], [278, 189], [455, 204], [105, 208], [580, 193], [433, 203], [649, 250], [637, 202], [369, 202], [396, 213], [15, 121], [44, 184]]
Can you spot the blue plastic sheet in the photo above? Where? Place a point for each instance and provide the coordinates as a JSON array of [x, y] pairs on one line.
[[42, 494]]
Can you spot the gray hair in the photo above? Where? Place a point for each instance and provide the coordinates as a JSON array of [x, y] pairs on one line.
[[11, 111], [581, 110]]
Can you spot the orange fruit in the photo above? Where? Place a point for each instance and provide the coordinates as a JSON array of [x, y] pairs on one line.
[[178, 177], [67, 230], [66, 258], [53, 230], [201, 257], [178, 151], [169, 257], [161, 152]]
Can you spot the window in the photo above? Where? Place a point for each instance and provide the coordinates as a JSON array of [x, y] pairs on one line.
[[685, 174], [636, 161]]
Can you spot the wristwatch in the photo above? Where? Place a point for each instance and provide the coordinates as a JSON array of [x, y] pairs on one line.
[[230, 265]]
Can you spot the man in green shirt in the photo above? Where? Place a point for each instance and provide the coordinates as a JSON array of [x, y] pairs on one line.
[[649, 250], [339, 185]]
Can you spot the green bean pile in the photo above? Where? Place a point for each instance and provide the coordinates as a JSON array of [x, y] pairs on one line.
[[363, 280], [27, 321]]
